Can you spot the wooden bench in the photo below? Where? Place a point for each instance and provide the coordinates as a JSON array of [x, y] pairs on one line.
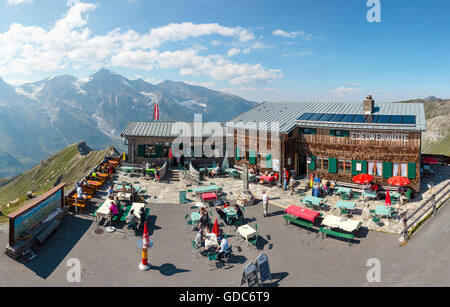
[[48, 231], [330, 232], [289, 219]]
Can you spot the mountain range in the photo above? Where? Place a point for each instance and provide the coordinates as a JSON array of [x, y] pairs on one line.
[[39, 119]]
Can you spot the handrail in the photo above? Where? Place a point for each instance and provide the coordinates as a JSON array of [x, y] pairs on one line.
[[433, 201]]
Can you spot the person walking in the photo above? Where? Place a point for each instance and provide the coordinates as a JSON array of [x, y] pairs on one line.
[[265, 200]]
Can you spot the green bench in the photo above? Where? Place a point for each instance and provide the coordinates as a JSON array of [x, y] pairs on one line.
[[330, 232], [298, 222]]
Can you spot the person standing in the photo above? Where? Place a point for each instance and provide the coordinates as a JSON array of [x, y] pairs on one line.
[[285, 178], [265, 200]]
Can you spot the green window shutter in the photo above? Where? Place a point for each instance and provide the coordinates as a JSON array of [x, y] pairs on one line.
[[364, 167], [252, 157], [237, 155], [412, 170], [346, 133], [354, 172], [332, 165], [387, 170], [313, 131], [269, 161], [332, 133], [312, 165], [141, 150]]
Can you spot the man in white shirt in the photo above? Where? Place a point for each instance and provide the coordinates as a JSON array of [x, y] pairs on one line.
[[265, 200], [223, 247], [80, 192]]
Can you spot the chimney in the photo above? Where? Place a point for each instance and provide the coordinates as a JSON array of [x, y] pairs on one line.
[[369, 104]]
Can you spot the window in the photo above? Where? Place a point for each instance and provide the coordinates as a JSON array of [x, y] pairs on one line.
[[371, 168], [291, 134], [308, 131], [339, 133], [395, 170], [348, 166], [341, 166], [404, 169], [325, 164], [379, 169], [319, 163]]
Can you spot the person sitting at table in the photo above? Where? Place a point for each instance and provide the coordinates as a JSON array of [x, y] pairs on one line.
[[157, 175], [111, 192], [217, 171], [131, 220], [204, 219], [401, 190], [222, 214], [223, 247], [116, 200], [113, 210], [199, 238], [403, 197], [239, 213], [142, 214]]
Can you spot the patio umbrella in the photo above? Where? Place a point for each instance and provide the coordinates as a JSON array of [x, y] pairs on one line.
[[362, 178], [398, 181], [216, 228], [429, 161], [387, 202]]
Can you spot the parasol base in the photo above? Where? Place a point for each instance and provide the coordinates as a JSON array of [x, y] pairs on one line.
[[110, 229], [144, 267]]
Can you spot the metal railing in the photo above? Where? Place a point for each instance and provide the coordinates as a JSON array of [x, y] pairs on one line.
[[429, 205]]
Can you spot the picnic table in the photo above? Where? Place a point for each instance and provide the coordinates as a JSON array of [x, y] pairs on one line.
[[233, 172], [246, 231], [383, 210], [341, 223], [349, 205], [269, 178], [195, 218], [344, 191], [124, 196], [103, 210], [209, 196], [303, 213], [207, 189], [395, 195], [369, 194], [94, 183], [211, 240], [120, 187], [313, 201], [230, 212], [127, 169]]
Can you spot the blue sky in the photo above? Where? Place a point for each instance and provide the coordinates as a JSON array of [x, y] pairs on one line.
[[261, 50]]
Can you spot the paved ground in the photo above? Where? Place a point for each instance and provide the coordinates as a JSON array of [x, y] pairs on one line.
[[296, 258]]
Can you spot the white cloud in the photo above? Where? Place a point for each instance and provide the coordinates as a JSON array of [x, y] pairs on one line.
[[345, 90], [69, 43], [16, 2], [285, 34], [233, 52]]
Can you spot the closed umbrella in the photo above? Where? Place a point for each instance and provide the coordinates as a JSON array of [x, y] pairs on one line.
[[216, 229], [387, 202], [398, 181]]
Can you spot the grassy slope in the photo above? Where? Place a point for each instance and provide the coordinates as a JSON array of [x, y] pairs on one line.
[[41, 178]]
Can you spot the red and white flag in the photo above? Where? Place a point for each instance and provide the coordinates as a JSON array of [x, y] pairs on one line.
[[156, 112]]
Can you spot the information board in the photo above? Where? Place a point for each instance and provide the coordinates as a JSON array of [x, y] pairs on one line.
[[262, 263], [250, 275]]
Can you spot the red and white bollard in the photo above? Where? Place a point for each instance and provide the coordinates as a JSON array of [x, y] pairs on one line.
[[146, 244]]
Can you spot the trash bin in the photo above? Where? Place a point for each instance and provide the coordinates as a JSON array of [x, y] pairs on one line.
[[183, 197]]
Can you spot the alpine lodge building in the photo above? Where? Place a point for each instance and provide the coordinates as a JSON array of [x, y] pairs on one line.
[[332, 140]]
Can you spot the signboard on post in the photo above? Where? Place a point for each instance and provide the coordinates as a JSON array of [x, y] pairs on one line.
[[250, 275], [262, 263]]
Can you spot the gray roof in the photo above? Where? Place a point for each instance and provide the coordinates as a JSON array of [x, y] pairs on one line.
[[287, 113], [155, 129]]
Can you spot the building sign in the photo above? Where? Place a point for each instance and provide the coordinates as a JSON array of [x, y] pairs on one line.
[[276, 165], [382, 137], [29, 217]]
